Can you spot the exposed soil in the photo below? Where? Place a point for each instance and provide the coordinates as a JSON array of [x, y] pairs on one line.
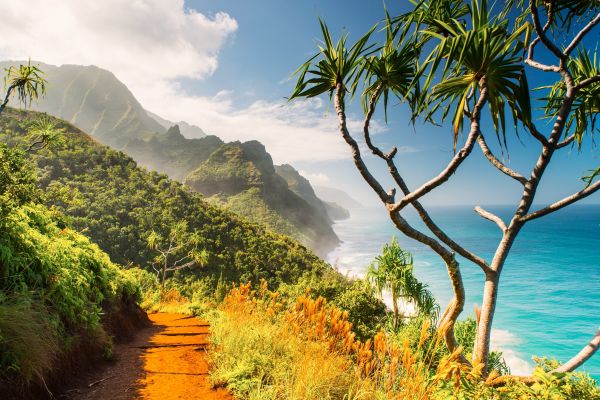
[[165, 361]]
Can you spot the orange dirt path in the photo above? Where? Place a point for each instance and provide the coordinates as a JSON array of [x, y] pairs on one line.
[[166, 361]]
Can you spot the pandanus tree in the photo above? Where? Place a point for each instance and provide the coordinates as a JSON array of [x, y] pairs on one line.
[[26, 81], [393, 271], [448, 60]]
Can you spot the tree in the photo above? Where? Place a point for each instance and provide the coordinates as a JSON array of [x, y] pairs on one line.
[[27, 81], [177, 251], [393, 271], [457, 62]]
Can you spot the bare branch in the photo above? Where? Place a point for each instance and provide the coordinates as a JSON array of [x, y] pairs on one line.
[[537, 134], [458, 158], [182, 266], [565, 142], [431, 225], [562, 203], [358, 161], [581, 34], [456, 305], [582, 356], [542, 67], [587, 82], [542, 33], [497, 163], [491, 217]]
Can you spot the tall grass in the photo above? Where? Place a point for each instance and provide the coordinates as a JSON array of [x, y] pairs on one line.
[[265, 348], [29, 343]]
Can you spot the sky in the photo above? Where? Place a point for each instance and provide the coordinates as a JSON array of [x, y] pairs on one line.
[[225, 66]]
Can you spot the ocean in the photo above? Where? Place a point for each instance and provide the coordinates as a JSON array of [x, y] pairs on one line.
[[549, 296]]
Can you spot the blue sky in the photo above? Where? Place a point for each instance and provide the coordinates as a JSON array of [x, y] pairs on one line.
[[224, 65], [274, 37]]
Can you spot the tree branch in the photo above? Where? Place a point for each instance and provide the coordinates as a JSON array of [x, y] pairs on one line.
[[182, 266], [431, 225], [458, 158], [542, 33], [491, 217], [497, 163], [565, 142], [6, 98], [456, 305], [582, 356], [358, 161], [584, 31], [562, 203]]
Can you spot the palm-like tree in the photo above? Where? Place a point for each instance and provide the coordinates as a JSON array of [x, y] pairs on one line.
[[450, 60], [483, 60], [393, 271], [27, 81]]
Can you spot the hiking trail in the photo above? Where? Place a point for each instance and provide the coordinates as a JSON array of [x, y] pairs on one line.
[[166, 361]]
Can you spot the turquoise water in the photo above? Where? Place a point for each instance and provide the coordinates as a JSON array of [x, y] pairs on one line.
[[549, 299]]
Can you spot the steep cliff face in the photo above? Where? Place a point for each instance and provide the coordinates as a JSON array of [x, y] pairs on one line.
[[302, 187], [171, 153], [243, 178], [94, 100]]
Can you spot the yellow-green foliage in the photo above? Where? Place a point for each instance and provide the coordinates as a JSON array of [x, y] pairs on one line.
[[265, 348], [61, 265], [54, 284]]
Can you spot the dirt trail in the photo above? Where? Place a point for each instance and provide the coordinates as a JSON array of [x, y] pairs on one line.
[[165, 361]]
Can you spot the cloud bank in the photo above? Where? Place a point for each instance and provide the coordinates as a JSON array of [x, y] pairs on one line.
[[153, 46]]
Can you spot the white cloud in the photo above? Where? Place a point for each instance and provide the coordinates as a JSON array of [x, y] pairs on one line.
[[318, 178], [151, 45], [140, 41]]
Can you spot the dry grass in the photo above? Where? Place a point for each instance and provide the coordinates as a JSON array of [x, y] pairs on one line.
[[265, 349]]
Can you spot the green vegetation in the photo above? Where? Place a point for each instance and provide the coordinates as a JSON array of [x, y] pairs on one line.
[[54, 283], [118, 205], [242, 177], [97, 102], [171, 153], [393, 271]]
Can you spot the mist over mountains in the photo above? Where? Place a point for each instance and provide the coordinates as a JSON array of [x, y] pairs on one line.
[[239, 176]]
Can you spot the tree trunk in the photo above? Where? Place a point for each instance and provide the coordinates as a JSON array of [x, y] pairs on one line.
[[582, 356], [164, 275], [481, 351], [395, 305]]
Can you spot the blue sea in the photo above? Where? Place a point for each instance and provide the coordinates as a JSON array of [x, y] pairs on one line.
[[549, 298]]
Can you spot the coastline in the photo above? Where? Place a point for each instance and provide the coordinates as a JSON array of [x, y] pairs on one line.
[[568, 303]]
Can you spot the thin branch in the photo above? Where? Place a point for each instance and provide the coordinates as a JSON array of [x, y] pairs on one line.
[[6, 98], [358, 161], [562, 203], [182, 266], [456, 161], [582, 356], [497, 163], [542, 34], [581, 35], [537, 134], [565, 142], [491, 217], [542, 67], [456, 305]]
